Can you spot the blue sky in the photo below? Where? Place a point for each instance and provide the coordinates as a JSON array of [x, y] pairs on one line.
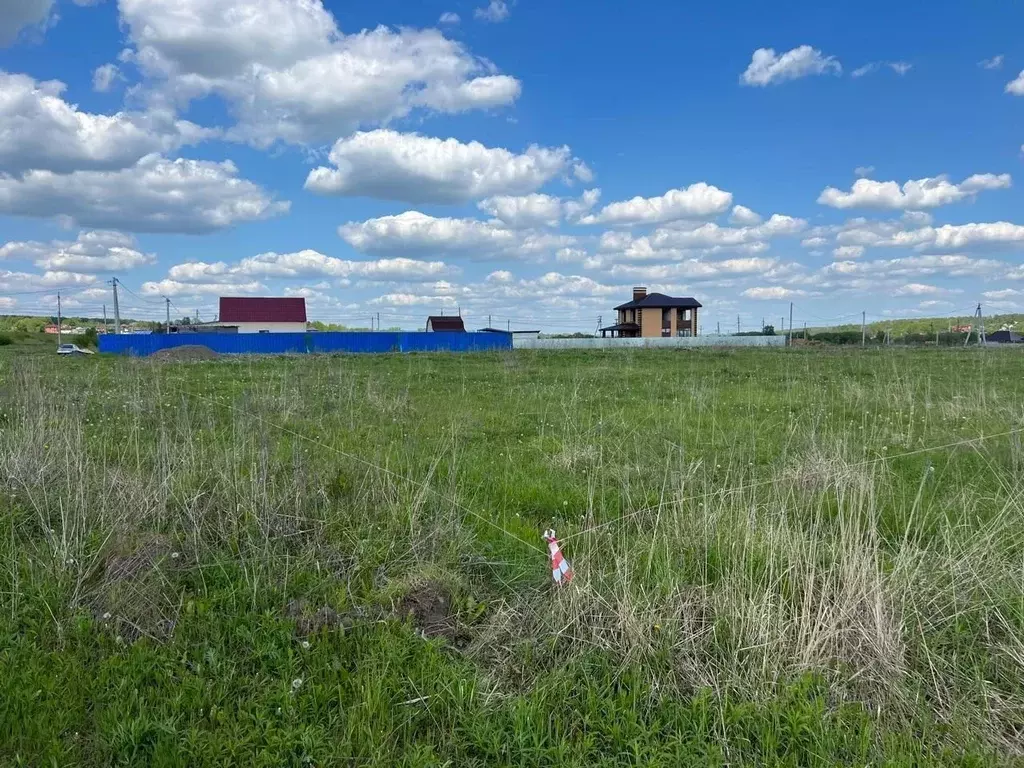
[[528, 162]]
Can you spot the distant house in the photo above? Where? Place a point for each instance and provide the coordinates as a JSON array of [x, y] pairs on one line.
[[1004, 337], [250, 314], [446, 323], [655, 315]]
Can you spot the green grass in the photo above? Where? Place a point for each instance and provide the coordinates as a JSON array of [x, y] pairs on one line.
[[337, 560]]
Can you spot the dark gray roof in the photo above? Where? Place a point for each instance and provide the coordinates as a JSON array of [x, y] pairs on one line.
[[1004, 337], [659, 300], [502, 330], [622, 327]]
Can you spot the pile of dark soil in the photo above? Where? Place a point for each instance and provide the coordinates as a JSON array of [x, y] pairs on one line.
[[429, 606], [184, 354]]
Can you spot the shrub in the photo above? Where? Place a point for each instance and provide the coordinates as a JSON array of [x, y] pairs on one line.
[[88, 339], [5, 340], [838, 337]]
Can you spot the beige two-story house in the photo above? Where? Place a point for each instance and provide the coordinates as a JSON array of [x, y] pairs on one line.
[[654, 315]]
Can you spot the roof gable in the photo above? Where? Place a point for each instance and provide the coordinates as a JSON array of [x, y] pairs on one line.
[[445, 323], [252, 309]]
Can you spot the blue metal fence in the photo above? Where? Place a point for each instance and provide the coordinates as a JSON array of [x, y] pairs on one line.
[[300, 343]]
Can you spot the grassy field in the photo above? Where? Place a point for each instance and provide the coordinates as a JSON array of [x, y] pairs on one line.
[[793, 557]]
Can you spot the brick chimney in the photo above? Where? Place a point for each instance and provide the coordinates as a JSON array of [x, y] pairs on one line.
[[639, 292]]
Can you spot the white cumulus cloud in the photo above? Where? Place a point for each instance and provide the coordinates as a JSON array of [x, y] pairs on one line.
[[104, 77], [996, 62], [693, 269], [413, 231], [773, 292], [22, 281], [309, 263], [174, 288], [154, 195], [420, 169], [674, 243], [41, 131], [538, 210], [848, 252], [197, 278], [494, 11], [1016, 86], [922, 289], [913, 194], [1002, 294], [287, 72], [93, 251], [449, 17], [743, 216], [768, 67], [697, 201]]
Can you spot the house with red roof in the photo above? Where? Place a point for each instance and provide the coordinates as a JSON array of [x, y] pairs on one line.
[[255, 314]]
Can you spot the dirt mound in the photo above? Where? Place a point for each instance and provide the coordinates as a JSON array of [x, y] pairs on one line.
[[185, 353], [134, 594], [430, 607]]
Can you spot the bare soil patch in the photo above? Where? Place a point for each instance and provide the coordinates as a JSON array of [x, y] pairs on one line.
[[185, 354], [133, 592]]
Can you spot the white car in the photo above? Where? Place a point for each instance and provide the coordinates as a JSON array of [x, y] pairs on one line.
[[73, 349]]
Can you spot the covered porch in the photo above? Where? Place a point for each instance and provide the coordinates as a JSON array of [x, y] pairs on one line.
[[621, 330]]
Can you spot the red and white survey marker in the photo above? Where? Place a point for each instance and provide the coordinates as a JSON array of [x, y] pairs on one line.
[[561, 571]]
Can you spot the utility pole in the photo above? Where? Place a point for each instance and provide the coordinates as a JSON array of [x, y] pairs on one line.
[[60, 334], [805, 330], [491, 326], [981, 327], [105, 330], [762, 325], [509, 326], [167, 304], [117, 310], [378, 321], [790, 324], [718, 328], [737, 323], [863, 328]]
